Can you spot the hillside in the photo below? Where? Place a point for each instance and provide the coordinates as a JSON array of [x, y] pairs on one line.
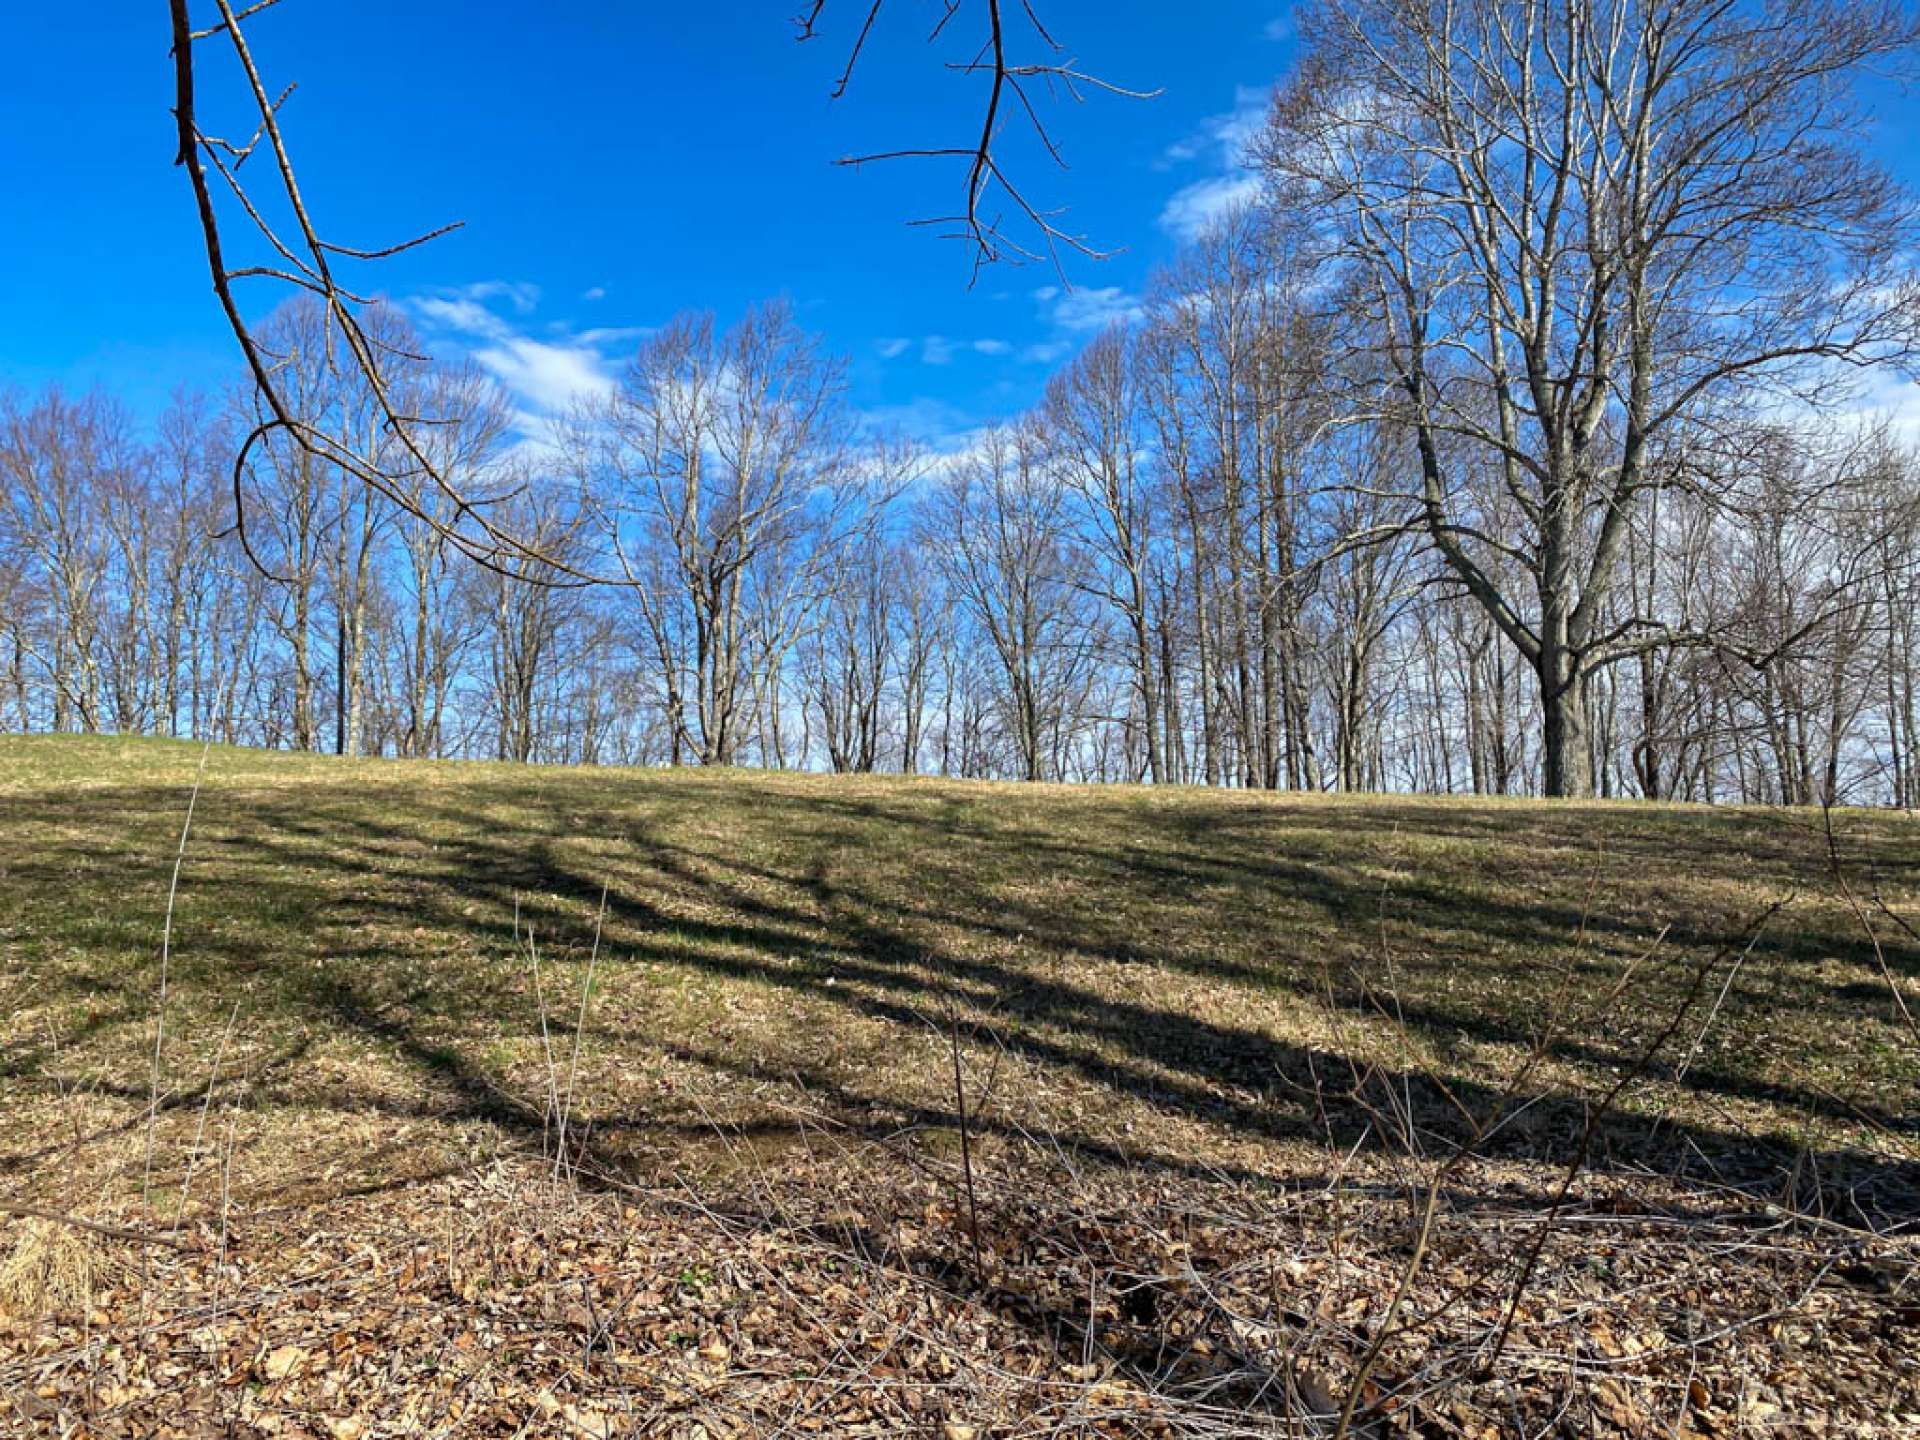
[[1155, 998]]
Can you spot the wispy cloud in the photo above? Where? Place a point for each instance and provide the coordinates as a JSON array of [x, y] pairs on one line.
[[1195, 207], [543, 376], [467, 317], [604, 335], [941, 349], [1089, 308], [1223, 141], [522, 296], [550, 378], [1889, 397], [942, 430], [1047, 352], [1075, 316]]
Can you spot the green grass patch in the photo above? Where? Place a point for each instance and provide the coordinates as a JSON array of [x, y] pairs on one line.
[[1181, 979]]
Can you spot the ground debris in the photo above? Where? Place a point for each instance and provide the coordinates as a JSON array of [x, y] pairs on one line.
[[501, 1303]]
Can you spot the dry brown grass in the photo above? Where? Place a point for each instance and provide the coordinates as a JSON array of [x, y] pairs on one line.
[[51, 1268], [1222, 1048]]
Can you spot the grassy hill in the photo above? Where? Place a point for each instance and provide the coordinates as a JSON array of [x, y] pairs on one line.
[[1161, 970], [377, 976]]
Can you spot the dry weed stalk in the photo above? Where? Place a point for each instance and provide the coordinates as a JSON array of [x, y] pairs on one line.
[[166, 972], [561, 1164]]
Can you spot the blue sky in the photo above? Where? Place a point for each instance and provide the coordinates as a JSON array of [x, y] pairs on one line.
[[615, 162]]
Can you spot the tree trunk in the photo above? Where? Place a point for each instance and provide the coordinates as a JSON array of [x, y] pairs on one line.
[[1566, 756]]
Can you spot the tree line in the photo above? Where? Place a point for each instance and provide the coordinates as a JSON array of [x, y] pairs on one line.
[[1505, 445]]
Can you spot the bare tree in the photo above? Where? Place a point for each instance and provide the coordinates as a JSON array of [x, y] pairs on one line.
[[1368, 580], [527, 623], [59, 461], [1894, 493], [999, 527], [1095, 419], [1580, 236], [294, 491], [465, 446], [848, 660], [730, 481], [190, 579]]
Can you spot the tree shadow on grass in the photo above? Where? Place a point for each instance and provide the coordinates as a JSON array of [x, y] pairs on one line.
[[808, 900]]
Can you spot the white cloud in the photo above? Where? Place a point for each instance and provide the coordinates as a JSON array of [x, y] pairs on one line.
[[942, 429], [1180, 152], [550, 377], [468, 317], [522, 295], [1080, 311], [1194, 207], [941, 349], [609, 335], [543, 378], [1234, 130], [1225, 138], [1887, 396], [1074, 315], [598, 292], [1280, 27]]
